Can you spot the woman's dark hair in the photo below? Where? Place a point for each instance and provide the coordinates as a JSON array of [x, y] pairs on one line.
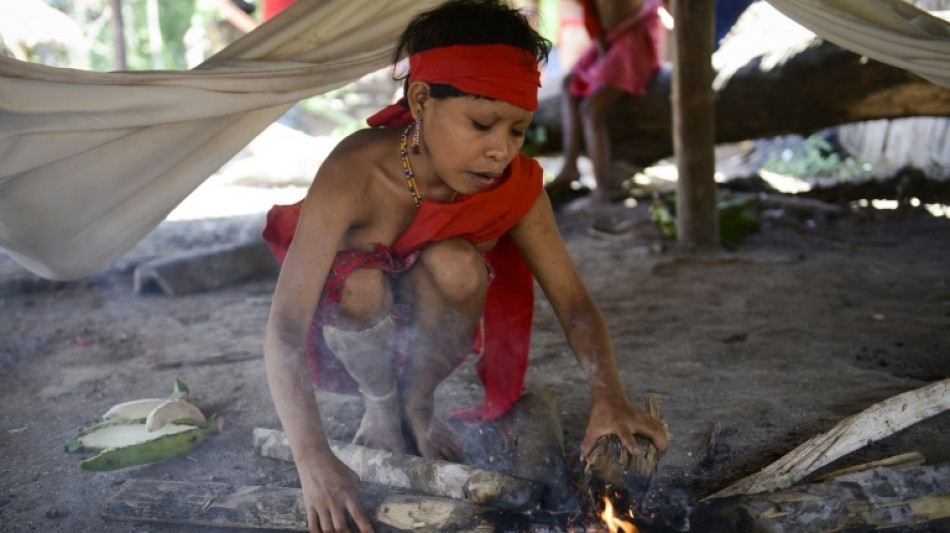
[[470, 22]]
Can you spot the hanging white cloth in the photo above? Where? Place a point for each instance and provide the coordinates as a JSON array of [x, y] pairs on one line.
[[891, 31], [91, 162]]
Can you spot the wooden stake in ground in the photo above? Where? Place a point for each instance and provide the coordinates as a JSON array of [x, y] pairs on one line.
[[427, 476], [697, 220], [874, 423]]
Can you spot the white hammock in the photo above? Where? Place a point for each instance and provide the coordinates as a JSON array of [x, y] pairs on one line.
[[91, 162]]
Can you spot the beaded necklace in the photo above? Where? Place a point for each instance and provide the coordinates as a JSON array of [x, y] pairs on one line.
[[410, 177]]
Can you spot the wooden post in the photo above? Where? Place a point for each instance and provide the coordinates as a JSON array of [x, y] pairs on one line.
[[697, 222]]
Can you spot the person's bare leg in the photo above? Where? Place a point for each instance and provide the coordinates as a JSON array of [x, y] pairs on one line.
[[594, 112], [446, 290], [570, 138], [362, 339]]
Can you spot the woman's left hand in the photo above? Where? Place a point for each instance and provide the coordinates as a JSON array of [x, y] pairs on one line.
[[620, 417]]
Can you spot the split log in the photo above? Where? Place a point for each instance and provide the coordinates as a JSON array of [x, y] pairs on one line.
[[610, 467], [206, 269], [879, 498], [820, 86], [533, 427], [281, 508], [427, 476], [874, 423]]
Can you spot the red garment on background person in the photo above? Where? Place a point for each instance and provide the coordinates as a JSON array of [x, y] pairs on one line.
[[269, 8], [632, 57]]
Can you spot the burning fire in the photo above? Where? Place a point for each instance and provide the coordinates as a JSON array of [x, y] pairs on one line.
[[614, 523]]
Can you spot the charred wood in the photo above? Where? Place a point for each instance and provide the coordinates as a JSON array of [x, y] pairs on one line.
[[533, 430], [879, 498]]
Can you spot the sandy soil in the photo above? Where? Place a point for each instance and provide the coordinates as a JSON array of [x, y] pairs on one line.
[[774, 342]]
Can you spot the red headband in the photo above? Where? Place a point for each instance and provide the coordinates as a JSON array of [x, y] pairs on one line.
[[496, 71]]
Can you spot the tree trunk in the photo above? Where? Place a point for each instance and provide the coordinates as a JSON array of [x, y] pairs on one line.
[[118, 35], [822, 86], [697, 220]]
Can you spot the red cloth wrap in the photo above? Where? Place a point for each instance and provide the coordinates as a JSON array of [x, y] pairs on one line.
[[509, 305], [504, 73], [631, 60], [270, 8], [496, 71]]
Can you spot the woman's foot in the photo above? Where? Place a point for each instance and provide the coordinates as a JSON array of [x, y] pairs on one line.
[[381, 426], [562, 182], [433, 438]]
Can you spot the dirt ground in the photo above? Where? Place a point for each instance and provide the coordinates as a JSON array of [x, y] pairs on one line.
[[770, 343]]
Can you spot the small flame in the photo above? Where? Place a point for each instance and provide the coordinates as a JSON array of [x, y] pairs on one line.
[[614, 524]]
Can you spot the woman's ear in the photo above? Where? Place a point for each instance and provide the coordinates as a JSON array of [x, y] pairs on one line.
[[418, 97]]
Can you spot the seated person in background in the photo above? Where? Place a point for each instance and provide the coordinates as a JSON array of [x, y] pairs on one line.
[[623, 56]]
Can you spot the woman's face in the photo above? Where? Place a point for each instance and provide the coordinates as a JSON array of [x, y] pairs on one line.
[[470, 141]]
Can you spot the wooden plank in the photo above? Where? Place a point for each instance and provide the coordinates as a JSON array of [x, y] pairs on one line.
[[874, 423], [281, 508], [427, 476]]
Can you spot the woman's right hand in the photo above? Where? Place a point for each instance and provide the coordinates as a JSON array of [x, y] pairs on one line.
[[330, 489]]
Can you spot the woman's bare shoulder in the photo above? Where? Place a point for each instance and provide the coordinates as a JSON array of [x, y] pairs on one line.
[[357, 158]]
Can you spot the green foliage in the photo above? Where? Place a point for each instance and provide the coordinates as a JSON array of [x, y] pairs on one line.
[[175, 19], [815, 158], [737, 217], [330, 105]]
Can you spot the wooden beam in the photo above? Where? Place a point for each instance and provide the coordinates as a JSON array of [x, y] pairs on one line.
[[427, 476], [874, 423], [697, 220]]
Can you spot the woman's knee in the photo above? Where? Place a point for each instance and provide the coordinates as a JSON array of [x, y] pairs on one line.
[[366, 299], [455, 269], [595, 107]]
